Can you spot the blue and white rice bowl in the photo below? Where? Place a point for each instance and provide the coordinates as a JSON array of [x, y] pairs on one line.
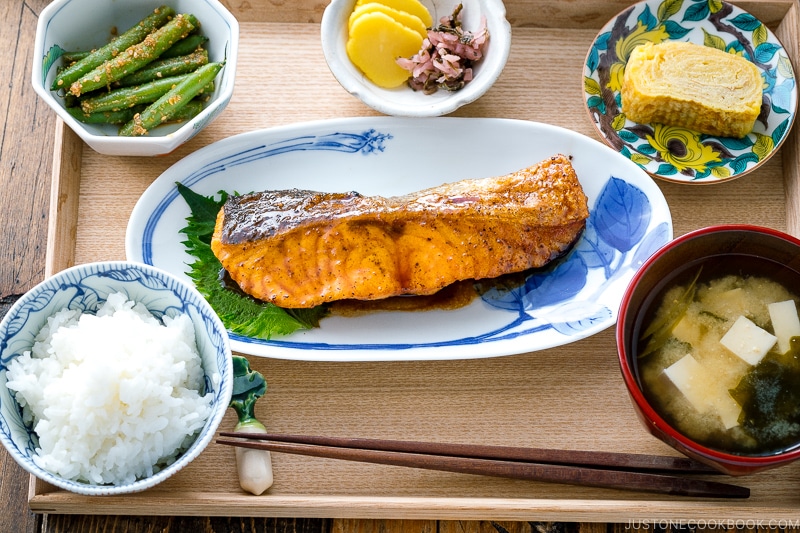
[[85, 288]]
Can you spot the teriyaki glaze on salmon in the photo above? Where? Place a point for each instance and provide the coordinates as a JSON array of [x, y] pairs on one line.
[[299, 248]]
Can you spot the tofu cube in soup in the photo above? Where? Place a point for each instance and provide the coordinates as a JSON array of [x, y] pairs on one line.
[[785, 323], [702, 390], [748, 341]]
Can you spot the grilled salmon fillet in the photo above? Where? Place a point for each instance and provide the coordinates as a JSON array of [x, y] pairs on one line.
[[298, 248]]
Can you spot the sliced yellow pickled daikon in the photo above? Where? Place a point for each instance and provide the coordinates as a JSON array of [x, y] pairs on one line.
[[406, 19], [376, 41], [414, 7]]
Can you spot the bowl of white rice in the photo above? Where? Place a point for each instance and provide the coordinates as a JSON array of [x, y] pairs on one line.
[[115, 375]]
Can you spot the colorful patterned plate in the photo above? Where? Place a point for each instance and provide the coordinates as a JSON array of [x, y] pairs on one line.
[[677, 154]]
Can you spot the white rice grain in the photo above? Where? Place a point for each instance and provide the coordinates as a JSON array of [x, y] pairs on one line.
[[113, 397]]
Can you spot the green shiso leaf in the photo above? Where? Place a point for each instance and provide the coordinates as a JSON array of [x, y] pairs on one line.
[[240, 313], [204, 212]]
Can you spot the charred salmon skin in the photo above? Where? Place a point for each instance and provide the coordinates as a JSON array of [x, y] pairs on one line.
[[298, 248]]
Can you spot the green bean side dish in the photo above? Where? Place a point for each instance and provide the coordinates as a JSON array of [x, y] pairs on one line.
[[156, 72]]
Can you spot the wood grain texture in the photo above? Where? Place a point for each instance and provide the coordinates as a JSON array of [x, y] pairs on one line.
[[26, 153], [26, 149], [787, 33], [63, 224], [500, 401], [180, 524]]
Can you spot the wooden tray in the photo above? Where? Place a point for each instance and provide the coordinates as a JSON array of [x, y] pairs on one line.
[[568, 397]]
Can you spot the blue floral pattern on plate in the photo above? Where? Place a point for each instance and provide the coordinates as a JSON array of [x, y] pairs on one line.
[[615, 243], [677, 154], [575, 297]]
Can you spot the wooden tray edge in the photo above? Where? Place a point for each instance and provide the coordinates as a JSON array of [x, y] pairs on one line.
[[64, 199], [416, 508], [788, 32]]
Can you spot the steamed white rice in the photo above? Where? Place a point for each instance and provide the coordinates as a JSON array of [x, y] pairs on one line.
[[113, 397]]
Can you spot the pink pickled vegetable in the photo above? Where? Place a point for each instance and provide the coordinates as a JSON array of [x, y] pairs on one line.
[[447, 55]]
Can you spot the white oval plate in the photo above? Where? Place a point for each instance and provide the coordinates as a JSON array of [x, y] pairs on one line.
[[576, 297]]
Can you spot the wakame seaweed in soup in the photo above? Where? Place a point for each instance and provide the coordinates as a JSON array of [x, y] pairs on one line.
[[720, 400]]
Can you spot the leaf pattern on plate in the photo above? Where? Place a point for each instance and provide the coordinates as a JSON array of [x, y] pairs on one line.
[[678, 154], [622, 214], [614, 243]]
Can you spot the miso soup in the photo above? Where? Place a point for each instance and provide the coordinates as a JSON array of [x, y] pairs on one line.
[[710, 361]]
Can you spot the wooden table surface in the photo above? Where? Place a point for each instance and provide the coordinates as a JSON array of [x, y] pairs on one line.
[[26, 154]]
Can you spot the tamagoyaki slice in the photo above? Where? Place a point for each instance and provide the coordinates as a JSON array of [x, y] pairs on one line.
[[692, 86], [406, 19], [376, 41], [414, 7]]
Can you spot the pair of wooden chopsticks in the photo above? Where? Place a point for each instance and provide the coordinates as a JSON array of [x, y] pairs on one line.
[[638, 472]]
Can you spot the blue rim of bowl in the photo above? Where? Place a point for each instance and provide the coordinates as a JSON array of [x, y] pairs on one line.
[[169, 282], [677, 154]]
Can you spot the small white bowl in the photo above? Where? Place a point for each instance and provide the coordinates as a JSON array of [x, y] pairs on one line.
[[85, 287], [67, 25], [403, 101]]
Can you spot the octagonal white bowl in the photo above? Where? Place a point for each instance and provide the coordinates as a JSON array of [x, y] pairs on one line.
[[67, 25]]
